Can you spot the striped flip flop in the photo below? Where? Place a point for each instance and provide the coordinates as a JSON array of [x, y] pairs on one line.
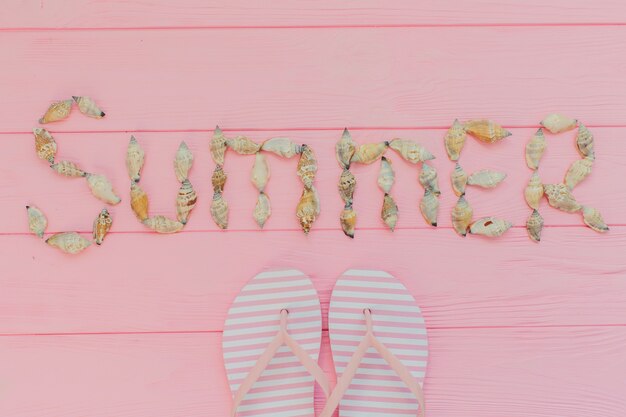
[[379, 346], [271, 343]]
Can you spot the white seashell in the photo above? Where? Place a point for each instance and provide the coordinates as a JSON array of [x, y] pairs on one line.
[[490, 226], [534, 226], [243, 146], [584, 141], [534, 191], [411, 151], [102, 189], [386, 176], [462, 216], [593, 219], [557, 123], [560, 197], [429, 206], [134, 159], [260, 172], [219, 211], [578, 171], [282, 147], [459, 180], [535, 148], [347, 185], [486, 178], [68, 169], [185, 201], [389, 212], [162, 224], [218, 146], [37, 222], [308, 209], [183, 162], [262, 210], [428, 179], [455, 140], [88, 107], [69, 242], [307, 166], [344, 149], [347, 219], [369, 153]]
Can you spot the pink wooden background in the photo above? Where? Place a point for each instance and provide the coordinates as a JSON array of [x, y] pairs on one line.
[[133, 328]]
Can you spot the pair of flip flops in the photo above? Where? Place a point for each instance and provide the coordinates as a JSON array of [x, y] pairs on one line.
[[272, 338]]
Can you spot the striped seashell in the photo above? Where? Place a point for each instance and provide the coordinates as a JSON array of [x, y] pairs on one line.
[[308, 209], [428, 179], [386, 175], [185, 201], [260, 172], [459, 180], [218, 146], [183, 162], [490, 226], [69, 242], [454, 140], [593, 219], [411, 151], [218, 179], [369, 153], [219, 211], [462, 216], [162, 224], [534, 191], [68, 169], [584, 141], [57, 111], [557, 123], [534, 226], [486, 130], [101, 226], [578, 171], [347, 185], [243, 146], [284, 147], [37, 222], [88, 107], [429, 206], [307, 166], [535, 148], [389, 212], [45, 146], [138, 201], [262, 210], [134, 159], [560, 197], [344, 149], [102, 188], [347, 219], [486, 178]]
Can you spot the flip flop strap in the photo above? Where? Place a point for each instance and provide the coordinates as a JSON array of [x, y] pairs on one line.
[[281, 338], [343, 383]]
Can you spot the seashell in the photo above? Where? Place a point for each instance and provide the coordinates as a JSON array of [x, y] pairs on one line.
[[486, 178], [578, 171], [101, 188], [557, 123], [560, 197], [534, 226], [138, 201], [429, 206], [37, 222], [218, 179], [185, 201], [134, 159], [219, 211], [307, 166], [428, 179], [101, 226], [462, 216], [347, 219], [386, 176], [344, 149], [584, 141], [455, 140], [533, 191], [347, 185], [490, 226], [45, 146], [218, 146], [262, 210], [260, 172], [243, 146], [282, 147], [69, 242], [593, 219], [486, 130], [411, 151], [68, 169], [88, 107], [535, 148], [308, 209], [389, 212], [459, 180], [369, 153], [183, 162], [57, 111], [162, 224]]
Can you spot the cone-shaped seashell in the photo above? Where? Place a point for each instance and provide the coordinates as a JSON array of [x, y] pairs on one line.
[[69, 242], [183, 162], [369, 153], [218, 179], [308, 209], [462, 216], [486, 130], [262, 210], [490, 226], [534, 191], [410, 150], [584, 141], [138, 201], [37, 222], [560, 197], [459, 180], [486, 178], [68, 169], [45, 146], [88, 107], [134, 159], [185, 201], [307, 166], [101, 226], [347, 219], [344, 149], [243, 146], [389, 212], [386, 176], [218, 146], [578, 171], [534, 226], [284, 147], [593, 219], [455, 140], [219, 211], [260, 172], [102, 188], [428, 179], [57, 111], [534, 149], [347, 184], [557, 123], [162, 224], [429, 206]]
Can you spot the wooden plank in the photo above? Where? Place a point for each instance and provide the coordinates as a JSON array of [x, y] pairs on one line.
[[576, 372]]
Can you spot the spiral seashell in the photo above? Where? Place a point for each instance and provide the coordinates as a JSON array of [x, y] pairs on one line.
[[534, 226], [45, 146], [284, 147], [308, 209], [134, 159], [428, 179], [486, 130], [307, 166], [560, 197], [218, 179], [347, 185], [386, 176], [185, 201], [262, 210], [347, 219], [219, 211], [183, 162], [578, 171], [411, 151], [429, 206], [534, 191], [462, 216], [57, 111], [389, 212], [101, 226], [260, 172], [535, 148], [37, 222], [243, 146], [88, 107], [162, 224], [490, 226], [102, 188], [344, 149], [138, 201], [593, 219], [218, 146], [369, 153], [69, 242], [68, 169], [486, 178], [557, 123], [459, 180], [455, 140], [584, 141]]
